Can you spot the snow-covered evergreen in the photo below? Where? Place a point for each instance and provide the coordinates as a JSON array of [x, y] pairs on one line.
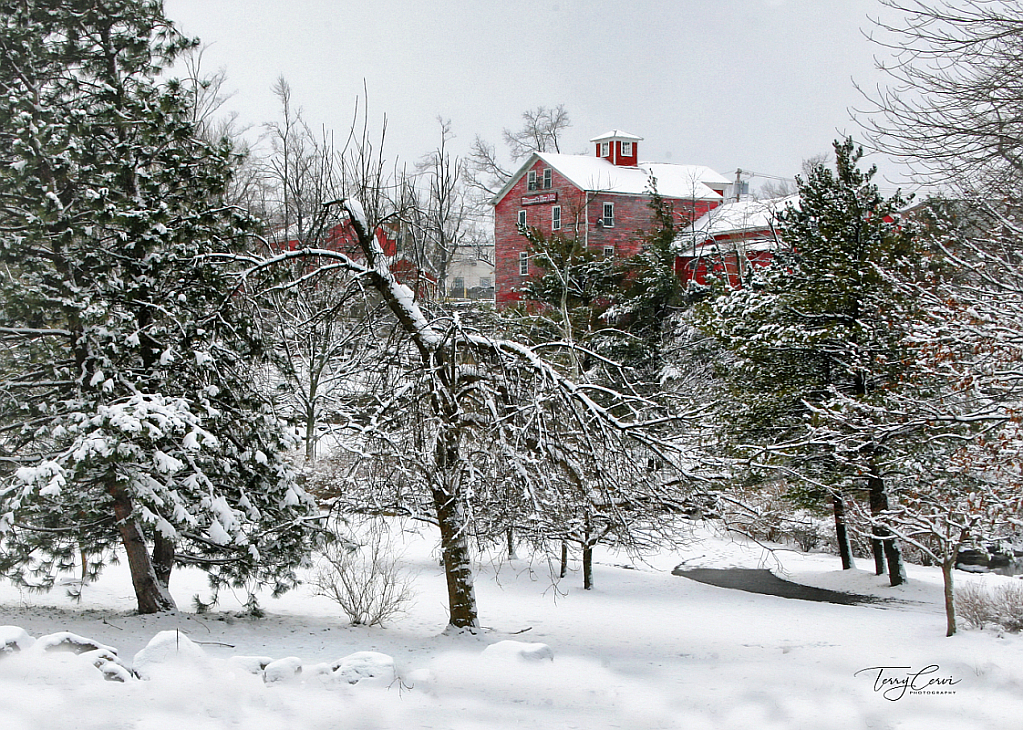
[[128, 411], [819, 332]]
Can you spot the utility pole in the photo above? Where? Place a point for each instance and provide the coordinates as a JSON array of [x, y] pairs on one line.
[[738, 184]]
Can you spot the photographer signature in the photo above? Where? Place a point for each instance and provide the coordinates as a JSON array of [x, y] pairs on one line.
[[894, 682]]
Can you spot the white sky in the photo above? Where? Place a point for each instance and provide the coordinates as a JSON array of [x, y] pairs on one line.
[[756, 84]]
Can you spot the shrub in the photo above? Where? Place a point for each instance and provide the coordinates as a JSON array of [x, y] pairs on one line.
[[974, 605], [362, 575], [1004, 607], [1009, 604]]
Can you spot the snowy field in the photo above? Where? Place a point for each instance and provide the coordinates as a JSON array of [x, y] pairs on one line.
[[644, 649]]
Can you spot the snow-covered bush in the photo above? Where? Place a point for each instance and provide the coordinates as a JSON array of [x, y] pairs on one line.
[[362, 575], [1003, 606], [767, 514], [973, 604], [1008, 602]]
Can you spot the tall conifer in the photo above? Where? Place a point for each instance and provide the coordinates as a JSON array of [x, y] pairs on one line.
[[128, 413]]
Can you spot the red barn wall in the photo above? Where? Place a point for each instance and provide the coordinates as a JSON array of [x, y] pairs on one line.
[[631, 215]]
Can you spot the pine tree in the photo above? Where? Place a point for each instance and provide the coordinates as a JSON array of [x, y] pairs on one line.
[[127, 410], [651, 290], [825, 322]]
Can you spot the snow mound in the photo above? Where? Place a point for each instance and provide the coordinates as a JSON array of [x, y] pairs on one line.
[[525, 651], [250, 664], [288, 669], [322, 670], [73, 643], [167, 652], [14, 639], [365, 665], [113, 669]]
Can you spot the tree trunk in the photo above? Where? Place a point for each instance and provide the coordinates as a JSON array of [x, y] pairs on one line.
[[457, 565], [152, 596], [310, 436], [877, 549], [587, 567], [564, 558], [842, 532], [950, 597], [882, 536], [511, 543], [877, 504], [163, 558], [896, 568], [587, 555]]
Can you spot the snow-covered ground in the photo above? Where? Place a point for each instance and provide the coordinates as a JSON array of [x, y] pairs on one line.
[[644, 649]]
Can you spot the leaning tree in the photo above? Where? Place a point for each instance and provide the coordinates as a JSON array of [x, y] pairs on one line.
[[453, 419]]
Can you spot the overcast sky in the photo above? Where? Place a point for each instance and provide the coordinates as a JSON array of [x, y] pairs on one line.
[[755, 84]]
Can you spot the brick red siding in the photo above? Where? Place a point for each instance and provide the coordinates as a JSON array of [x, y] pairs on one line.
[[632, 216], [614, 153], [698, 268]]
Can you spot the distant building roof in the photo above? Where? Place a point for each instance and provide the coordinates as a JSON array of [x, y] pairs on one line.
[[594, 174], [616, 134], [744, 218]]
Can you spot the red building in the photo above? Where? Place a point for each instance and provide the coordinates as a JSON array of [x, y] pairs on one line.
[[342, 238], [729, 239], [603, 200]]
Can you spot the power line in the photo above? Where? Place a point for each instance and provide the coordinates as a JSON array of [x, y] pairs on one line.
[[750, 173]]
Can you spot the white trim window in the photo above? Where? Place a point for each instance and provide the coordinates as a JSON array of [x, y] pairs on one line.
[[626, 149], [609, 252], [605, 149], [531, 180], [521, 222], [609, 215], [556, 218], [548, 178], [523, 263]]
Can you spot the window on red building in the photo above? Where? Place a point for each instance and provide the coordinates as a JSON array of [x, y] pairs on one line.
[[609, 215], [522, 219], [548, 178], [531, 180], [556, 218], [523, 263]]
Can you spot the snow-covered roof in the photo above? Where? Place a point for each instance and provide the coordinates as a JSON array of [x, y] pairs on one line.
[[734, 218], [595, 174], [615, 134], [669, 175]]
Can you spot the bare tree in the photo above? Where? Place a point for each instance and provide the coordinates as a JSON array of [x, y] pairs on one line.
[[776, 189], [450, 408], [318, 324], [301, 170], [206, 91], [953, 109], [781, 188], [541, 131], [440, 219]]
